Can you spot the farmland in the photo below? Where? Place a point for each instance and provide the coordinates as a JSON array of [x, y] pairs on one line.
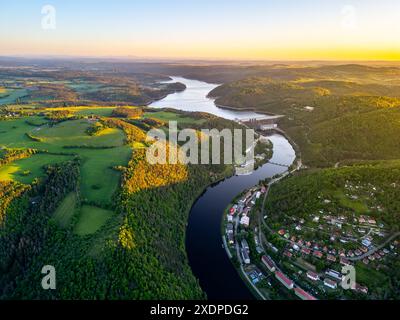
[[99, 154], [78, 176]]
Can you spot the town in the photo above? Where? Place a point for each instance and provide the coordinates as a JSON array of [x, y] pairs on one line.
[[303, 257]]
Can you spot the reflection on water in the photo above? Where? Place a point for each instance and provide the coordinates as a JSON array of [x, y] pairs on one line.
[[194, 98], [207, 258]]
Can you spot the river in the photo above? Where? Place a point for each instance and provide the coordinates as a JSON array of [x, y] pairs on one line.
[[194, 98], [207, 257]]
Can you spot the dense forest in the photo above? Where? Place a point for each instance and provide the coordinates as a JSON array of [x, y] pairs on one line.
[[138, 254], [332, 118]]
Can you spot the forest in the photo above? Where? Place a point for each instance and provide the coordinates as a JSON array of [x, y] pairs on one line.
[[334, 113], [138, 252]]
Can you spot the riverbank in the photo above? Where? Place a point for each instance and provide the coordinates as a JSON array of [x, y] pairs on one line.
[[246, 109], [241, 251], [207, 257]]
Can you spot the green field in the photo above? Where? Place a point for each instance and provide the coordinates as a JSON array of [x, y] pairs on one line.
[[171, 116], [73, 133], [11, 95], [66, 210], [99, 179], [99, 154], [357, 205], [26, 170], [100, 111], [91, 219], [13, 133]]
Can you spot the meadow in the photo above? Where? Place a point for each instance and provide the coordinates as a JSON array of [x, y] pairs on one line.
[[94, 205], [59, 142], [9, 96]]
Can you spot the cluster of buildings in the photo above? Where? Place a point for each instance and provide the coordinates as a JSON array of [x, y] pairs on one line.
[[332, 279], [240, 212], [285, 280], [362, 243], [254, 274]]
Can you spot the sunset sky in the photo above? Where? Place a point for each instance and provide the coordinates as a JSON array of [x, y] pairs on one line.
[[221, 29]]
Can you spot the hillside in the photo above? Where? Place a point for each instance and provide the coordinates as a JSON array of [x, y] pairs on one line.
[[333, 212], [83, 198], [333, 119]]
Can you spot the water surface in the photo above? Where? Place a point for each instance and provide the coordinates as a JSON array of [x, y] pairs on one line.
[[194, 98], [207, 257]]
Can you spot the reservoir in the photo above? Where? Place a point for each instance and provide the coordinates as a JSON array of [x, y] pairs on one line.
[[194, 98], [207, 257]]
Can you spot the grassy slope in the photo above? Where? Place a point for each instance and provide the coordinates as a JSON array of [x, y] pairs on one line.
[[91, 219], [72, 133], [97, 163], [66, 210], [170, 116], [10, 96], [15, 171], [99, 180], [156, 265]]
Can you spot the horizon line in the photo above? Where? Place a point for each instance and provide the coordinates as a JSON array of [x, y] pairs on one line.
[[184, 59]]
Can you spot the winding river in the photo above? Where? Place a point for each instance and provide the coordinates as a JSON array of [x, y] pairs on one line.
[[207, 257]]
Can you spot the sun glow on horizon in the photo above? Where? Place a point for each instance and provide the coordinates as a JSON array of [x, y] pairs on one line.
[[259, 30]]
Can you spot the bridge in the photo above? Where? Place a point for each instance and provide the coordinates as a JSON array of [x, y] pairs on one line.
[[279, 164]]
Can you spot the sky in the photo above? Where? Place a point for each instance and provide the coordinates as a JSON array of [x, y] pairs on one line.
[[203, 29]]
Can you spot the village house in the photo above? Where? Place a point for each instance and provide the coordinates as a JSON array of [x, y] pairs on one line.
[[269, 263], [288, 254], [245, 256], [318, 254], [329, 283], [312, 275], [350, 253], [231, 238], [360, 288], [366, 243], [284, 280], [303, 295], [331, 258], [281, 232], [364, 249], [245, 221], [334, 274]]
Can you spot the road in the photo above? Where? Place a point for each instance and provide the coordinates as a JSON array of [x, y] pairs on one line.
[[384, 244], [261, 295]]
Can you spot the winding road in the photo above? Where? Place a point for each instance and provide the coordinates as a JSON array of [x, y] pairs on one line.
[[372, 251]]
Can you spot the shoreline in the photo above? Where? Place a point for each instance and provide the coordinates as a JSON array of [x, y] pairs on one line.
[[245, 109], [223, 222]]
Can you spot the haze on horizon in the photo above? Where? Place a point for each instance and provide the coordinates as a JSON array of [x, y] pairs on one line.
[[258, 29]]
